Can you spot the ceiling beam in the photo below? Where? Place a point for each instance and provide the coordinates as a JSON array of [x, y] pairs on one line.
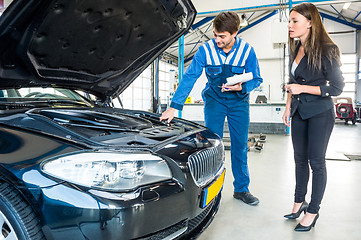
[[245, 28], [272, 6], [258, 21], [350, 24], [201, 22], [338, 13], [355, 17]]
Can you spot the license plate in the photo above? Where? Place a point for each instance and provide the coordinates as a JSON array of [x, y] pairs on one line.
[[212, 191]]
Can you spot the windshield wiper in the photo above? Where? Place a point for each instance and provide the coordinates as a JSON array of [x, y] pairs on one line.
[[33, 104], [68, 101], [17, 105], [52, 101]]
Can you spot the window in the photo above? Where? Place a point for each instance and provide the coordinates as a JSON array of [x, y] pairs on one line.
[[349, 69], [139, 94]]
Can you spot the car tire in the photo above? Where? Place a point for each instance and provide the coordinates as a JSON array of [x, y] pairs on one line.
[[354, 119], [342, 106], [17, 217]]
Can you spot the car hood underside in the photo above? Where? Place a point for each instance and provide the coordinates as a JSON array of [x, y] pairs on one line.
[[98, 47]]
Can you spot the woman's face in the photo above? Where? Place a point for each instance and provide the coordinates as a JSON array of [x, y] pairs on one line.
[[298, 26]]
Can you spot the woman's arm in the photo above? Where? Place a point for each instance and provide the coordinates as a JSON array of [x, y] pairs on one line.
[[334, 78], [298, 89], [287, 114]]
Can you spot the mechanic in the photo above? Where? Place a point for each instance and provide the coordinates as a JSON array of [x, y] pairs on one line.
[[232, 71]]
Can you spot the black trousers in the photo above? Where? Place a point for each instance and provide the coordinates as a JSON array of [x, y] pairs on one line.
[[310, 139]]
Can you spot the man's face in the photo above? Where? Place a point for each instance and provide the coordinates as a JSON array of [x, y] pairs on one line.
[[224, 40]]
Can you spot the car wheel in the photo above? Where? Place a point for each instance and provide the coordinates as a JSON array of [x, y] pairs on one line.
[[342, 109], [354, 119], [17, 219]]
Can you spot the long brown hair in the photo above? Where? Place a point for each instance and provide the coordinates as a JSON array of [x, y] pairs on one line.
[[318, 43]]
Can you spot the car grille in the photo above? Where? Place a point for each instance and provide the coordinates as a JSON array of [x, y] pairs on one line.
[[205, 164]]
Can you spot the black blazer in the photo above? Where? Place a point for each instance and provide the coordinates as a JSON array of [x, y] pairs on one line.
[[330, 80]]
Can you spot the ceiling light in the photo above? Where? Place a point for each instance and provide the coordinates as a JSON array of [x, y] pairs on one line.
[[346, 5], [243, 20]]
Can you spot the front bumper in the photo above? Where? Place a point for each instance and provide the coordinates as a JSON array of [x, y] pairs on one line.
[[171, 209], [162, 211]]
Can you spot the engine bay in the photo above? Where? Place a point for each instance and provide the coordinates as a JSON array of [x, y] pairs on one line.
[[105, 126]]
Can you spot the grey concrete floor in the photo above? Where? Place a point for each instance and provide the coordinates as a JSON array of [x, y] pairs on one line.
[[272, 181]]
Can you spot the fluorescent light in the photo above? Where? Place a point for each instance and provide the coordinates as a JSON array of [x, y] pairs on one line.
[[346, 5], [244, 22]]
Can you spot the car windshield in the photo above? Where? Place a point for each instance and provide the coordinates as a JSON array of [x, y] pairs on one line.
[[40, 95]]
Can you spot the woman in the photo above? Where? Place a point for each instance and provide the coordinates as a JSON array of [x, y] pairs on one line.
[[315, 76]]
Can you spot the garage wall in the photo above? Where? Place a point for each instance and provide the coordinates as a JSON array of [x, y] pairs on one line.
[[344, 36], [358, 83], [271, 55], [139, 94]]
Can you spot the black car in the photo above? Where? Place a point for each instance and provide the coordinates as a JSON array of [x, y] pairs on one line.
[[71, 165]]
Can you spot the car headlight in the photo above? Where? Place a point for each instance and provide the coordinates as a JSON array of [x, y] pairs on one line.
[[115, 171]]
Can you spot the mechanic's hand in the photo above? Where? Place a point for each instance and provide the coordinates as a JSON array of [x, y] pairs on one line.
[[168, 115], [294, 88], [236, 87], [286, 117]]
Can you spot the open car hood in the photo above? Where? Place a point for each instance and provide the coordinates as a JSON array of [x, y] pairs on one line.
[[96, 46]]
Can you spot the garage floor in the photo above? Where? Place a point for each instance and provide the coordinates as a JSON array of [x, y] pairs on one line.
[[272, 181]]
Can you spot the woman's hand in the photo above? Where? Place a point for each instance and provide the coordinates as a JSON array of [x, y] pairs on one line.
[[294, 88], [286, 117], [298, 89], [168, 115], [236, 87]]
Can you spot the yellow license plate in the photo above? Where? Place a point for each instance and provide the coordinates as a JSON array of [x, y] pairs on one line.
[[212, 191]]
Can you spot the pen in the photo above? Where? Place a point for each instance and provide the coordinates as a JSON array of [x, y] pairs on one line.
[[223, 88]]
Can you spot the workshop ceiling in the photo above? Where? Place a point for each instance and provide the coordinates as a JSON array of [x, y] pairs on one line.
[[202, 29]]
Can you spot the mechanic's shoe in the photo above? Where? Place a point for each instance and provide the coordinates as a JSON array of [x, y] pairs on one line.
[[246, 197]]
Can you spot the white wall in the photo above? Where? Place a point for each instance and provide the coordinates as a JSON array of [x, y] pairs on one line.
[[358, 83], [271, 57], [258, 112], [345, 41], [260, 38]]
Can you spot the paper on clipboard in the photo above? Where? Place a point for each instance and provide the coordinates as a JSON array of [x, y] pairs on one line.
[[239, 78]]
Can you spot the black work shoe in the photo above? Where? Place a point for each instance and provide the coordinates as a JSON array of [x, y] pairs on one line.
[[246, 197]]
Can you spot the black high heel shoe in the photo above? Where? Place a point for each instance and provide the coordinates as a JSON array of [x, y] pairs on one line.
[[295, 215], [301, 228]]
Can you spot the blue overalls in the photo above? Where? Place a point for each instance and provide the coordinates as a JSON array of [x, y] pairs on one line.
[[218, 105]]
